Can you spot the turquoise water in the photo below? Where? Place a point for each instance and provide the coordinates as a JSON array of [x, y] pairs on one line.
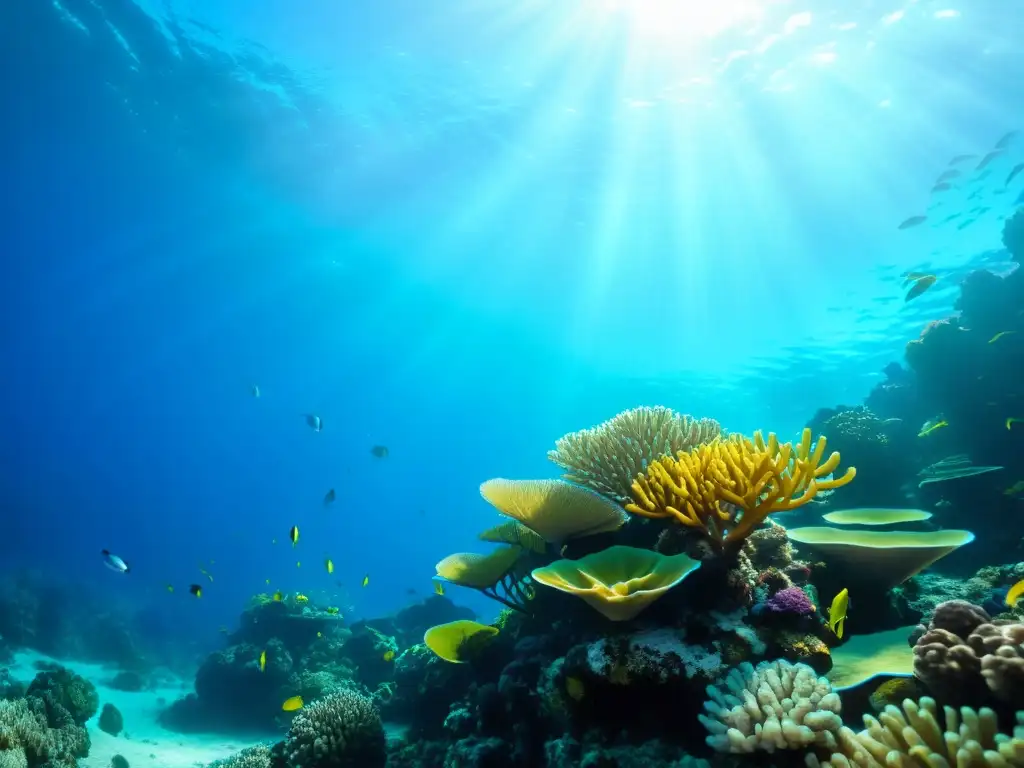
[[457, 230]]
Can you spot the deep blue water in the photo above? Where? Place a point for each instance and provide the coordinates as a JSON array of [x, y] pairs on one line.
[[459, 231]]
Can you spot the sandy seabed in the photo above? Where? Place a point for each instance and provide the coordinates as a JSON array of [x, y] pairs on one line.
[[144, 742]]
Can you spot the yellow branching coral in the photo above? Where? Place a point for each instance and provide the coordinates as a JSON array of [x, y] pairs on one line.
[[609, 456], [729, 486]]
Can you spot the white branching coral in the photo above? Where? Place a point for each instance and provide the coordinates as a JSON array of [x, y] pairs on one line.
[[910, 736], [776, 705]]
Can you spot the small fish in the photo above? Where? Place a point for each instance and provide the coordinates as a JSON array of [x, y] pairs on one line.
[[1015, 593], [366, 579], [301, 598], [314, 422], [942, 187], [913, 221], [1013, 173], [292, 704], [1012, 420], [329, 565], [170, 587], [439, 588], [380, 451], [389, 655], [998, 336], [837, 612], [255, 390], [206, 574], [223, 630], [1014, 489], [113, 562], [913, 277], [293, 534], [921, 285], [943, 504], [329, 497], [1004, 142], [574, 687], [278, 596], [989, 158], [319, 634], [962, 159], [930, 427], [964, 224], [196, 590], [331, 610], [952, 173], [298, 563], [263, 661], [267, 582], [273, 541]]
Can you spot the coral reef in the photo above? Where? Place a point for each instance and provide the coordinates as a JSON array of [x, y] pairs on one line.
[[342, 730], [776, 705], [111, 721]]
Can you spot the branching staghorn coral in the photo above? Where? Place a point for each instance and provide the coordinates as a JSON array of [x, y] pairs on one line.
[[729, 486], [911, 737], [608, 457]]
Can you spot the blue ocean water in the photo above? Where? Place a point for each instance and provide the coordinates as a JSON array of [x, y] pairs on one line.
[[456, 230]]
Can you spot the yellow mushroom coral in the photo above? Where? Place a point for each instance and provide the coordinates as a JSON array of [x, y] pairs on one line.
[[486, 573], [620, 581], [729, 486], [456, 640], [554, 509]]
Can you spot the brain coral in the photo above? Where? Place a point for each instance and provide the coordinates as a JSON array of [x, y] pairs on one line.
[[776, 705], [343, 730]]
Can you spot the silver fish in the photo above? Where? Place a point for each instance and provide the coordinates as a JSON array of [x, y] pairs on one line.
[[113, 562]]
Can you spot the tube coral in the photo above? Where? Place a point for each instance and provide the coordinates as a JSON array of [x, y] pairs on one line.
[[729, 486]]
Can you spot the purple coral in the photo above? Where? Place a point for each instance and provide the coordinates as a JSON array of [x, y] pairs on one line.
[[791, 600]]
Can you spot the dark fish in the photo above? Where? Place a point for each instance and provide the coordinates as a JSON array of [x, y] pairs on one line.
[[113, 562], [913, 221], [921, 285], [941, 187], [380, 451], [952, 173], [961, 159], [315, 422], [293, 534], [1013, 174], [964, 224], [951, 217], [1004, 142], [988, 158], [196, 590], [329, 497]]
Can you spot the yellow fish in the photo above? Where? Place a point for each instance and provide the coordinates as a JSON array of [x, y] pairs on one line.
[[319, 634], [837, 612], [1014, 489], [439, 588], [298, 563], [1015, 593], [263, 660], [293, 534], [268, 581], [366, 579], [998, 336], [931, 427], [170, 587], [301, 598], [574, 687], [1012, 420], [389, 655], [332, 610], [278, 597], [329, 565], [292, 704]]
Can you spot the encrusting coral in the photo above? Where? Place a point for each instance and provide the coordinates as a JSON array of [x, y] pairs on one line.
[[343, 730], [776, 705], [910, 736], [728, 487], [608, 457]]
